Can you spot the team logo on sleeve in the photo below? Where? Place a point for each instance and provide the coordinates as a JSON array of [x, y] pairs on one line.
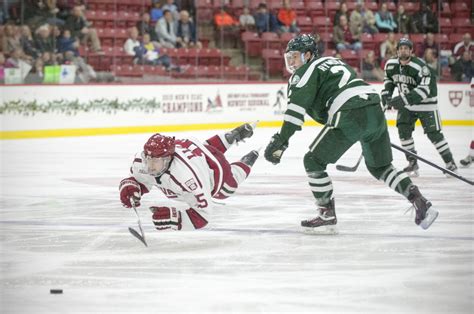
[[191, 184], [425, 71], [295, 79]]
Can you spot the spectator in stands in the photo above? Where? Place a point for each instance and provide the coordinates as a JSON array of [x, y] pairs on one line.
[[320, 45], [465, 45], [246, 20], [371, 70], [186, 32], [144, 27], [384, 20], [156, 12], [363, 19], [81, 29], [166, 30], [344, 38], [429, 43], [50, 11], [11, 38], [85, 73], [265, 21], [36, 74], [388, 49], [287, 18], [403, 20], [27, 42], [67, 43], [172, 7], [16, 57], [49, 58], [223, 18], [425, 20], [226, 27], [44, 41], [152, 54], [431, 59], [341, 11], [132, 43], [463, 69]]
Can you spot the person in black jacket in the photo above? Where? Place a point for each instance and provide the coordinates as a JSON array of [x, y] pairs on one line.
[[425, 21], [81, 29]]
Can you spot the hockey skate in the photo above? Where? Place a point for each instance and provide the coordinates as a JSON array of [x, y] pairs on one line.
[[425, 215], [324, 223], [452, 167], [240, 133], [250, 158], [412, 168], [466, 162]]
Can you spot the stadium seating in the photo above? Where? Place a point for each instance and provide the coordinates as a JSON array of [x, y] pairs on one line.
[[273, 61], [112, 18]]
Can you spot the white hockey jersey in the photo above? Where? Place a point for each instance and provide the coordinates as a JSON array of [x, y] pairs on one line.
[[194, 177]]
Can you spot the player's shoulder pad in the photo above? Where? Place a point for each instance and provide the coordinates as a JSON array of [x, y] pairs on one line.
[[420, 65], [391, 64], [305, 72]]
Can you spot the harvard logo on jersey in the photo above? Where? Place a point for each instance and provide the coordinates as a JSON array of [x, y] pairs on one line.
[[191, 184], [455, 97]]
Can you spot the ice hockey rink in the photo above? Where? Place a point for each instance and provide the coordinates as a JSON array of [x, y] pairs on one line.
[[63, 227]]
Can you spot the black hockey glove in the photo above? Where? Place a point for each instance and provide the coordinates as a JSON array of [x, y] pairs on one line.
[[275, 149], [396, 103], [386, 98]]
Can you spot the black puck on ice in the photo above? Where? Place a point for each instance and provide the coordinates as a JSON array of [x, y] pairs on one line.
[[56, 291]]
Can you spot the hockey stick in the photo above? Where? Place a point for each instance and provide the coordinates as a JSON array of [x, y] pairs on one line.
[[444, 170], [350, 169], [140, 236]]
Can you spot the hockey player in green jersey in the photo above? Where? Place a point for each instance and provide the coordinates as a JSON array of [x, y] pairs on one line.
[[328, 91], [417, 99]]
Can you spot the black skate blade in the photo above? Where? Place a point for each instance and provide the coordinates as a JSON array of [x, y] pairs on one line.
[[430, 217], [137, 235]]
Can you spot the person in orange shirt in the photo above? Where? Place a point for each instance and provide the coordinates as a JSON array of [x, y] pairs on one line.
[[287, 18], [224, 19]]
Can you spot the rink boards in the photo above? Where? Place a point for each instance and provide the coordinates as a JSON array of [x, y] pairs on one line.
[[86, 110]]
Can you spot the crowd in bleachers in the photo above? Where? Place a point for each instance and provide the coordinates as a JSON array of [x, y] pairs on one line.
[[365, 33], [156, 37]]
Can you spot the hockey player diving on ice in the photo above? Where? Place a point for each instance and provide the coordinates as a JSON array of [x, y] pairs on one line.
[[328, 90], [189, 171]]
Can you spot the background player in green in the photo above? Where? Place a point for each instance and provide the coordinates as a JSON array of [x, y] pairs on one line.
[[328, 90], [416, 84]]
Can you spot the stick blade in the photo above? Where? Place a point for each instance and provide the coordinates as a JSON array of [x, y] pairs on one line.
[[137, 235]]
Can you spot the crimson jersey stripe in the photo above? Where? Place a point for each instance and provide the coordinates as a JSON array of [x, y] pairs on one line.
[[190, 168], [177, 182]]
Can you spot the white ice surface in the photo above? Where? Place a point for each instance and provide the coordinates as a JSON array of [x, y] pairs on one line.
[[62, 226]]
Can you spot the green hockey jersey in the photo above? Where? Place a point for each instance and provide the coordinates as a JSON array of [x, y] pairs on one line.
[[320, 89], [416, 83]]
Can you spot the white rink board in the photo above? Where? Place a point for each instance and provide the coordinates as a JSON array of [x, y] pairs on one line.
[[180, 104]]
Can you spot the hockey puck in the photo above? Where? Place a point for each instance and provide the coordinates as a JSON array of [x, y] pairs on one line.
[[56, 291]]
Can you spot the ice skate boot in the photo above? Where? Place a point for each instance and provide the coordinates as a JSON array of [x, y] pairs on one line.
[[240, 133], [412, 168], [466, 162], [425, 215], [324, 223], [452, 167], [250, 158]]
